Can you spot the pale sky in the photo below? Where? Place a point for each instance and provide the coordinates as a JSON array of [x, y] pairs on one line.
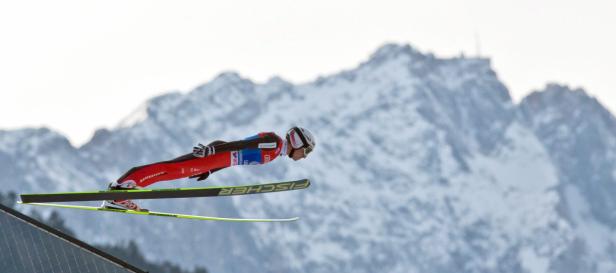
[[75, 65]]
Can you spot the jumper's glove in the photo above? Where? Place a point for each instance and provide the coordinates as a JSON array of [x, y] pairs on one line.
[[202, 151], [202, 176]]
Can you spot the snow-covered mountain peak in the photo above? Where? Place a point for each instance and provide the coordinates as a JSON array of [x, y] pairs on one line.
[[423, 63], [32, 141], [277, 81], [562, 105], [393, 51], [224, 81], [136, 116], [566, 118], [580, 135], [556, 96], [229, 76]]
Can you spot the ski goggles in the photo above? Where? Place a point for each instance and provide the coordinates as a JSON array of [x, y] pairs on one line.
[[307, 149]]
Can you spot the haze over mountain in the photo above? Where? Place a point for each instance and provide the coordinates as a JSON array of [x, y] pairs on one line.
[[422, 164]]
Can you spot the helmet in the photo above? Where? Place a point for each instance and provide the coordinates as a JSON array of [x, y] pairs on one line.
[[300, 138]]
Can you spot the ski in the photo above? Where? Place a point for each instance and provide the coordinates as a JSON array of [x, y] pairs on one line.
[[164, 214], [165, 193]]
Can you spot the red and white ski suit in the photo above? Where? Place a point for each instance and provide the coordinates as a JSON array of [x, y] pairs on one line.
[[259, 149]]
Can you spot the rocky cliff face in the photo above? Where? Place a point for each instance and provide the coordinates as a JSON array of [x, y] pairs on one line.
[[580, 135]]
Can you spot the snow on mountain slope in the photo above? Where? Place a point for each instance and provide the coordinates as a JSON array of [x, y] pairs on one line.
[[422, 164], [580, 135], [40, 159], [407, 176]]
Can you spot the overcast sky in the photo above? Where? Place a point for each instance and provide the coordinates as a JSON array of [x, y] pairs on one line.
[[79, 65]]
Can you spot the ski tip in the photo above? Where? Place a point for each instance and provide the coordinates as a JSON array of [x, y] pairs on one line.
[[274, 220]]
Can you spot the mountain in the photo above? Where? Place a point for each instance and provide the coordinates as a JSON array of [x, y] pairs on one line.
[[422, 164], [580, 135]]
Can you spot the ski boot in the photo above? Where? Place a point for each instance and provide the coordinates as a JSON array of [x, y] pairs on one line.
[[123, 204]]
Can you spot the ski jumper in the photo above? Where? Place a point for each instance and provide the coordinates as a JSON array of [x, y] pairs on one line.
[[258, 149]]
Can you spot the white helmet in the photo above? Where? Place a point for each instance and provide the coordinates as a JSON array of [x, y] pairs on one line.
[[300, 138]]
